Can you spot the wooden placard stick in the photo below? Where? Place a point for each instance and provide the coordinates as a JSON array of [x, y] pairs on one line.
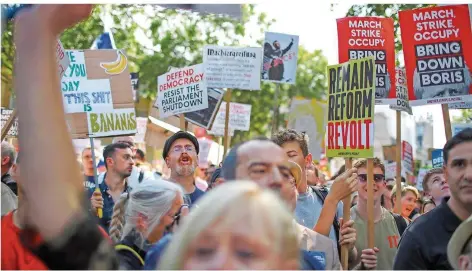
[[447, 121], [227, 136], [8, 124], [183, 124], [398, 158], [346, 218], [370, 204]]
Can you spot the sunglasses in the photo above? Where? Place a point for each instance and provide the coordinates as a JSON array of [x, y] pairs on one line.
[[377, 178]]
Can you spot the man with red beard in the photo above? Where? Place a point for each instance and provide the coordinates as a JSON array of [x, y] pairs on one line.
[[181, 156]]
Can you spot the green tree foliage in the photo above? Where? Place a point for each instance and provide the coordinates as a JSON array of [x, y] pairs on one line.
[[176, 38], [465, 117]]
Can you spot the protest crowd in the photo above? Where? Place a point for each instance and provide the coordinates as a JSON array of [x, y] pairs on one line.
[[266, 205]]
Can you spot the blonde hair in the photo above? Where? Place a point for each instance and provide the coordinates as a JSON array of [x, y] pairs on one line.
[[263, 212], [405, 189], [152, 199]]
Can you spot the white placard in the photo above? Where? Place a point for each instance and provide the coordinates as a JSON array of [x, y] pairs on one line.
[[181, 91], [239, 116], [112, 123], [402, 101], [280, 58], [233, 67], [80, 94]]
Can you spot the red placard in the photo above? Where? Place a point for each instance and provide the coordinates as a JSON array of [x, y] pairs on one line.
[[360, 37], [436, 47]]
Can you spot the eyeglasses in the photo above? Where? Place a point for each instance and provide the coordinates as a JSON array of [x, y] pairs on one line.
[[377, 178], [180, 149]]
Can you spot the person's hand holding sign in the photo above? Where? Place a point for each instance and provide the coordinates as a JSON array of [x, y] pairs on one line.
[[343, 186], [347, 233]]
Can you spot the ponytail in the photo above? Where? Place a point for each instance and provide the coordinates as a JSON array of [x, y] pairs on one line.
[[118, 218]]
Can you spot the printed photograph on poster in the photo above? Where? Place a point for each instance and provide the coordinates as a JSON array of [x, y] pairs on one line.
[[437, 59], [232, 67], [351, 102], [437, 158], [407, 157], [458, 127], [97, 81], [135, 85], [239, 116], [113, 123], [205, 117], [280, 58], [402, 102], [309, 117], [6, 113], [181, 91], [360, 37]]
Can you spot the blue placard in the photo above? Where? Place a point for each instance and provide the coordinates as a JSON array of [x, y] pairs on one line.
[[437, 158]]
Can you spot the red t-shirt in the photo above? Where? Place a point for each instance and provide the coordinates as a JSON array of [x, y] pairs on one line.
[[14, 255]]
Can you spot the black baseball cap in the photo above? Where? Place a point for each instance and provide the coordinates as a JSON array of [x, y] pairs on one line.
[[179, 135]]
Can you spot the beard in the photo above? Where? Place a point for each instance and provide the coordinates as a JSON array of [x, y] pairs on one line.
[[186, 170]]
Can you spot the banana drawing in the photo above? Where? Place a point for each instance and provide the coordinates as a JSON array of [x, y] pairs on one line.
[[117, 66]]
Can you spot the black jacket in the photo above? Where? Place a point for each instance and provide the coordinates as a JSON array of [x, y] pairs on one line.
[[130, 256]]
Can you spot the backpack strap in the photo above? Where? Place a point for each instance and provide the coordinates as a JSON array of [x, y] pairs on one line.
[[141, 176], [127, 248], [401, 223], [322, 193]]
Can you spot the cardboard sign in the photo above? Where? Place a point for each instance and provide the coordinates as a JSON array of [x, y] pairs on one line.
[[402, 102], [181, 91], [436, 44], [135, 85], [309, 117], [437, 158], [205, 117], [6, 113], [351, 101], [389, 152], [233, 67], [280, 58], [98, 81], [360, 37], [62, 58], [458, 127], [407, 157], [239, 116]]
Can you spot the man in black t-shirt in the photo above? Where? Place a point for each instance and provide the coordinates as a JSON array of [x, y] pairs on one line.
[[181, 156], [87, 164]]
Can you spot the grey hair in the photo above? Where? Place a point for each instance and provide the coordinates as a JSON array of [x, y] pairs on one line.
[[9, 151], [152, 199]]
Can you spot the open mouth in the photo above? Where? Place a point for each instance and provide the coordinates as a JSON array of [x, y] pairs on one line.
[[185, 161]]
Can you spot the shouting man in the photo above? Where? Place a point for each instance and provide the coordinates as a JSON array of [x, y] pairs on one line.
[[181, 156]]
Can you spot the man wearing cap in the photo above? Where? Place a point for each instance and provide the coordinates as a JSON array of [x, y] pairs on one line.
[[181, 156], [459, 249]]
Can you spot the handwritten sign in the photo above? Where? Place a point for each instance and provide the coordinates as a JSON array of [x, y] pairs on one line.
[[181, 91], [351, 101], [97, 81], [6, 113], [233, 67]]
